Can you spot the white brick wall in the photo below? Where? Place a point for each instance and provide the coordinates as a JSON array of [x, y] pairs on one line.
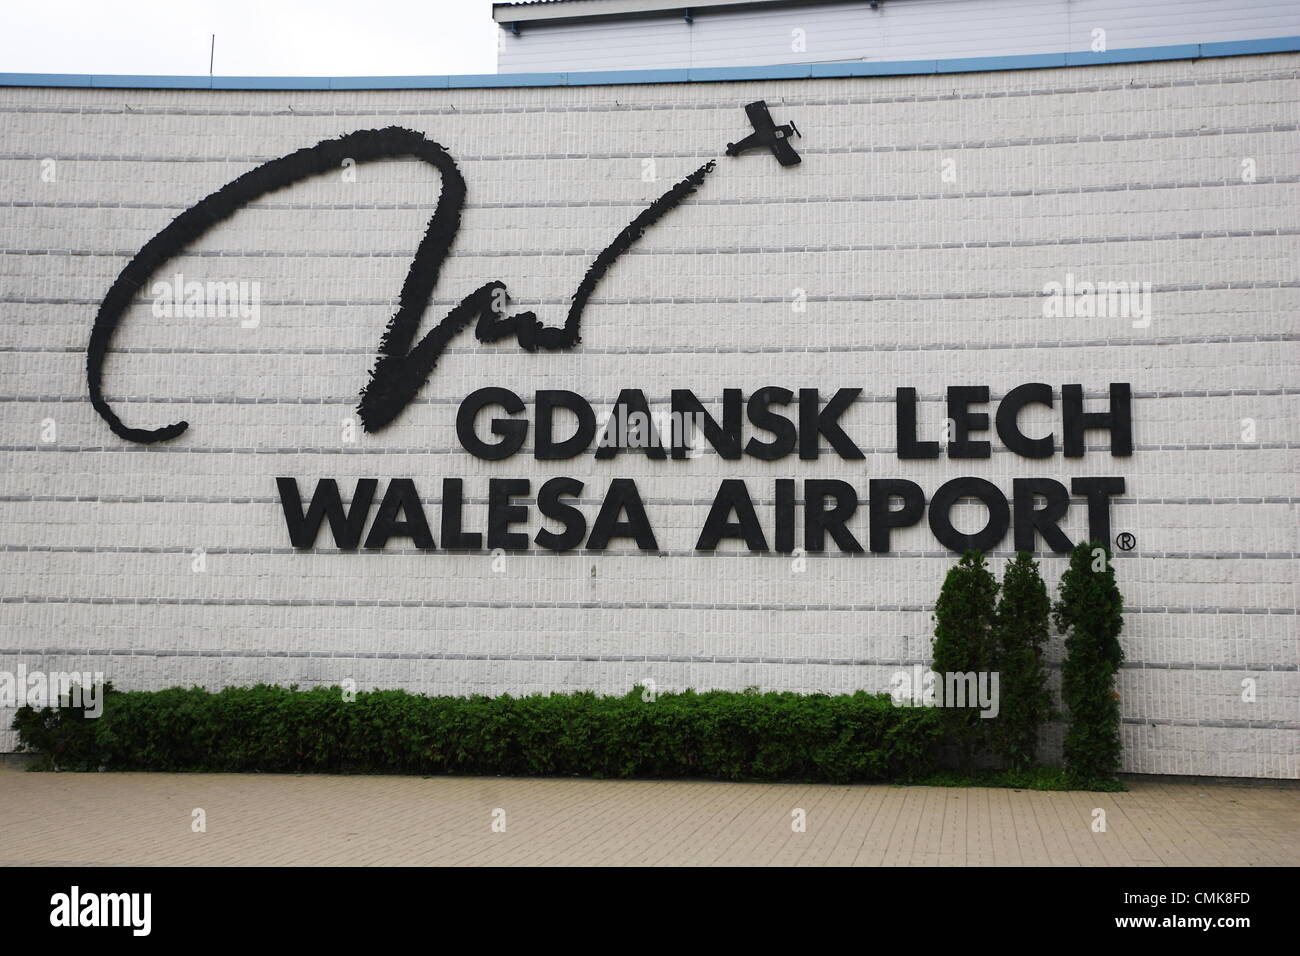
[[1126, 172]]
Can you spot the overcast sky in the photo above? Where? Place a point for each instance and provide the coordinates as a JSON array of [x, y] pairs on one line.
[[254, 37]]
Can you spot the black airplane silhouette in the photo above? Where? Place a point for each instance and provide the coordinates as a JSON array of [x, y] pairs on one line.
[[767, 133]]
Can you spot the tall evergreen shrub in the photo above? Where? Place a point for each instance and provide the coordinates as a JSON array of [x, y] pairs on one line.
[[1021, 630], [1090, 613], [963, 643]]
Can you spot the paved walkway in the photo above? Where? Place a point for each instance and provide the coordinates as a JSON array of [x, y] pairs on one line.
[[88, 819]]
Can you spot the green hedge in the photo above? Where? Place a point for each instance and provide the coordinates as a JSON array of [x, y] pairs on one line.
[[716, 734]]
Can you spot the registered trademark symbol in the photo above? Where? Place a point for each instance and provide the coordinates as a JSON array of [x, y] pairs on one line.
[[1126, 541]]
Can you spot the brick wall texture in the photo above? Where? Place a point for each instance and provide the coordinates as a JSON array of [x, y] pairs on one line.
[[922, 226]]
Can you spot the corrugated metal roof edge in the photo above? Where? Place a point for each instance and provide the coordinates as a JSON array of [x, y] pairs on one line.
[[1190, 51]]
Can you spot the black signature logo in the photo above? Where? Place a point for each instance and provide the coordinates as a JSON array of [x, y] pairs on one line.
[[402, 365]]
